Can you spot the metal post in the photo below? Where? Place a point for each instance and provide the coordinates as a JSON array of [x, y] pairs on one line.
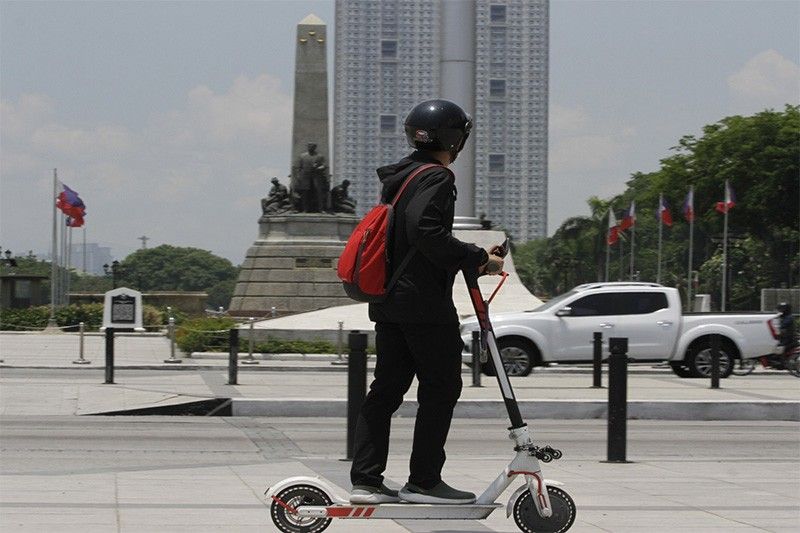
[[714, 361], [356, 384], [110, 355], [250, 360], [233, 357], [476, 359], [171, 333], [597, 371], [339, 343], [617, 399], [80, 360]]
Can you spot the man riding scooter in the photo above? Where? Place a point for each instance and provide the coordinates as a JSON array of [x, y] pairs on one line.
[[417, 329]]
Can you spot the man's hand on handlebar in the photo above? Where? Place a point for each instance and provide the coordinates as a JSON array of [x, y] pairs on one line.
[[493, 266]]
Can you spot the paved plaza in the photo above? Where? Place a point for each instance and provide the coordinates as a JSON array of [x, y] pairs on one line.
[[61, 471]]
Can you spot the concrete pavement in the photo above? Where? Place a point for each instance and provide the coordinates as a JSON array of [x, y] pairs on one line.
[[181, 474]]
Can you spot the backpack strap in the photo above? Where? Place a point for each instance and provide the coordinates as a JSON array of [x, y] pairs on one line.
[[412, 250], [417, 171]]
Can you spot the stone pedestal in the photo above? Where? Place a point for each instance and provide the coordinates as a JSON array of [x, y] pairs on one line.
[[292, 265]]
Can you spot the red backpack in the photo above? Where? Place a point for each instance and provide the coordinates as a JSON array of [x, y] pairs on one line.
[[365, 259]]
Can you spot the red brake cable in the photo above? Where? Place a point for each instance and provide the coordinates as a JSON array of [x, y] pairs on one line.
[[504, 275]]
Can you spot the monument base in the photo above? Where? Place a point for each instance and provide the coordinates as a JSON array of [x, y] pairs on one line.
[[291, 267]]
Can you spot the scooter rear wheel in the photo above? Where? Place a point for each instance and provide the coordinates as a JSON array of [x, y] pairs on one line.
[[294, 497], [528, 519]]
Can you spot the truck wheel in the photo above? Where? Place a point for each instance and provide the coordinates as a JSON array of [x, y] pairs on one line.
[[700, 360], [680, 369], [517, 356]]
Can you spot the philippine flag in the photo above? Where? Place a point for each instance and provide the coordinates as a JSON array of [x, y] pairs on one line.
[[664, 214], [688, 205], [730, 200], [613, 229], [71, 205], [629, 219]]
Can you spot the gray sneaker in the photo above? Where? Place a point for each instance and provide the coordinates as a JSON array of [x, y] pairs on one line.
[[441, 493], [366, 494]]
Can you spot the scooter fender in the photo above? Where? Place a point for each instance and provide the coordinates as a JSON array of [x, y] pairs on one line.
[[316, 482], [517, 493]]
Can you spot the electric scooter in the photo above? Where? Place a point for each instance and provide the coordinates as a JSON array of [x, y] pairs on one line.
[[306, 504]]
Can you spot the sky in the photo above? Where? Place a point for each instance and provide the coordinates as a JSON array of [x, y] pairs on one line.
[[169, 117]]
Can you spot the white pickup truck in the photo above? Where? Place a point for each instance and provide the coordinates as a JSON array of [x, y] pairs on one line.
[[648, 314]]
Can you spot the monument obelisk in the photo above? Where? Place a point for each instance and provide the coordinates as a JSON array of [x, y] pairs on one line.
[[291, 267], [310, 123]]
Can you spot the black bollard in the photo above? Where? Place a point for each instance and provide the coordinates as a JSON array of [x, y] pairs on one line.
[[714, 361], [617, 399], [233, 357], [597, 371], [476, 359], [356, 384], [110, 355]]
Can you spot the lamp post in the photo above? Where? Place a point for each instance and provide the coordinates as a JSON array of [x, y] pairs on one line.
[[8, 260], [114, 271]]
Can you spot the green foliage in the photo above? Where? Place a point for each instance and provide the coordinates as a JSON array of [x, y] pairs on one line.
[[33, 318], [294, 346], [71, 315], [221, 293], [26, 319], [205, 334], [172, 268], [759, 154]]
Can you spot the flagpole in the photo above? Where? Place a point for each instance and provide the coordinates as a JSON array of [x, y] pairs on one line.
[[691, 245], [608, 257], [725, 255], [633, 244], [621, 258], [660, 236], [68, 280], [84, 248], [51, 323], [62, 280]]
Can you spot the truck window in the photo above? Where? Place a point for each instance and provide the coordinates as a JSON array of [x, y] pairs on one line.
[[643, 303], [620, 303], [594, 305]]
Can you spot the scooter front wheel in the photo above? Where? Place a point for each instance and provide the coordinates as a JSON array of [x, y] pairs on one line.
[[293, 497], [528, 519]]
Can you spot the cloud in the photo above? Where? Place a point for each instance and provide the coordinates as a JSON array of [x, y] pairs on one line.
[[567, 119], [191, 176], [768, 80]]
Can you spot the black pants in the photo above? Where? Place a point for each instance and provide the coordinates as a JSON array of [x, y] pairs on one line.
[[433, 354]]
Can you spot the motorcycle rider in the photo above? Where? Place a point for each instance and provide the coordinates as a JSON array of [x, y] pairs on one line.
[[787, 338], [417, 329]]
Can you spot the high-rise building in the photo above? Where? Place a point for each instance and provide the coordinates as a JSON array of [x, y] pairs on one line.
[[387, 59]]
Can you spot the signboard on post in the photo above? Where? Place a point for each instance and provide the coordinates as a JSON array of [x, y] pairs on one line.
[[122, 309]]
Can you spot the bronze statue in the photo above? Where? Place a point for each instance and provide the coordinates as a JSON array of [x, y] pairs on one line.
[[310, 181], [341, 202], [277, 201]]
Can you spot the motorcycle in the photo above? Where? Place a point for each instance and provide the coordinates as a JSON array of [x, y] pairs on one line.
[[782, 359]]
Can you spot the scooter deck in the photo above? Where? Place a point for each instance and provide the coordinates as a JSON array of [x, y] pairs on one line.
[[405, 511]]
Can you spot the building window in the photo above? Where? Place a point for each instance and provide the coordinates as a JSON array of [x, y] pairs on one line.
[[389, 49], [388, 123], [497, 163], [497, 88], [497, 13]]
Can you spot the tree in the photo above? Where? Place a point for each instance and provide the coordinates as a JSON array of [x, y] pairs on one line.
[[758, 154], [172, 268]]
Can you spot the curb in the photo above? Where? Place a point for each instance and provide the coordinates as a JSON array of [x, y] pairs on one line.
[[542, 409]]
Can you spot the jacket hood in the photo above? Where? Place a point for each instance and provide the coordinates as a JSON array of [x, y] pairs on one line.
[[392, 176]]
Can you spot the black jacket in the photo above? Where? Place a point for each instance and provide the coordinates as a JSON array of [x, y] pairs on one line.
[[423, 218]]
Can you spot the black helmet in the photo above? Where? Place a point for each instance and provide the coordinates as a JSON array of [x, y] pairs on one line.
[[438, 125], [784, 308]]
